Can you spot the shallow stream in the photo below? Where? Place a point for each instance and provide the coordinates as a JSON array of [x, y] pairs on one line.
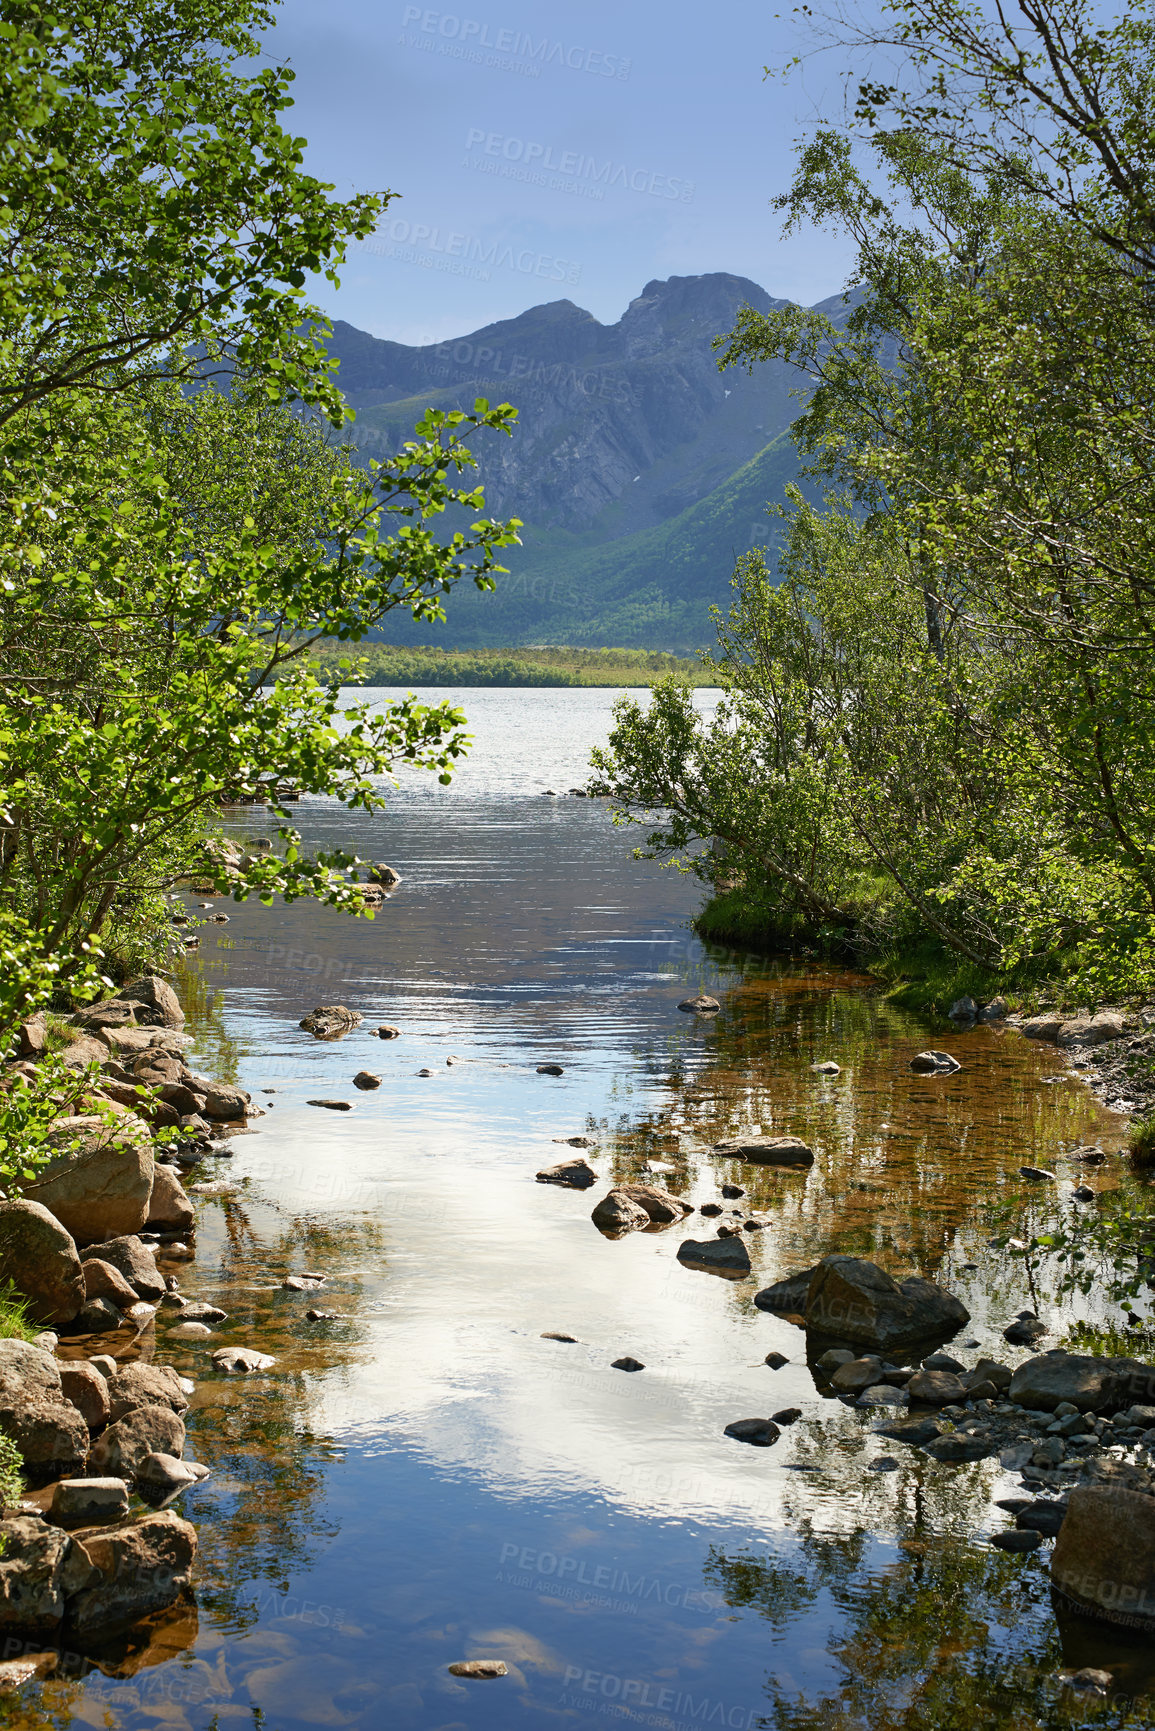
[[427, 1479]]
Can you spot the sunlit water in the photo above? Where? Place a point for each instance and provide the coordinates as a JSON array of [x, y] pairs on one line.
[[427, 1479]]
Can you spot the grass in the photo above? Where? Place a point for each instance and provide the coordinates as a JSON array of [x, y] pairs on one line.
[[545, 665], [1141, 1144], [14, 1322]]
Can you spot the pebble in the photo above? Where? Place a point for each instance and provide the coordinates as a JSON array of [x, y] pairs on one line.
[[550, 1070], [776, 1360], [1017, 1539], [479, 1668], [1039, 1173], [788, 1415], [627, 1364], [884, 1464], [366, 1079], [321, 1316], [343, 1105], [385, 1032], [552, 1334], [761, 1432], [190, 1331], [240, 1360]]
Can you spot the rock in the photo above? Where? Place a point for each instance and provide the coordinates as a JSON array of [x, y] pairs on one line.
[[776, 1360], [883, 1464], [956, 1446], [88, 1502], [478, 1668], [154, 1002], [703, 1004], [883, 1394], [787, 1297], [1042, 1517], [367, 1080], [215, 1187], [140, 1385], [82, 1052], [33, 1035], [934, 1064], [627, 1364], [936, 1388], [330, 1019], [989, 1370], [577, 1141], [101, 1362], [135, 1261], [855, 1300], [762, 1432], [943, 1361], [224, 1103], [550, 1070], [732, 1191], [711, 1209], [386, 1032], [144, 1431], [142, 1567], [788, 1415], [190, 1331], [1091, 1030], [51, 1435], [827, 1068], [1089, 1384], [767, 1150], [39, 1257], [200, 1311], [1017, 1539], [425, 1072], [554, 1334], [385, 876], [169, 1208], [98, 1316], [241, 1361], [1083, 1193], [84, 1388], [720, 1255], [1104, 1558], [99, 1183], [859, 1374], [340, 1105], [916, 1432], [616, 1212], [41, 1567], [321, 1316], [1043, 1027], [963, 1010], [660, 1207], [165, 1473], [1039, 1173], [102, 1280], [112, 1013], [574, 1174], [995, 1011], [1024, 1331]]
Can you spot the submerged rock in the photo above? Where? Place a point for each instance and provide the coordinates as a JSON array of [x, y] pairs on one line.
[[366, 1080], [702, 1005], [718, 1255], [550, 1070], [573, 1174], [767, 1150], [241, 1360], [329, 1021], [934, 1064], [478, 1669]]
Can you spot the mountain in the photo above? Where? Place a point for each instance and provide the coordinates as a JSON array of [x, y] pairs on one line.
[[639, 470]]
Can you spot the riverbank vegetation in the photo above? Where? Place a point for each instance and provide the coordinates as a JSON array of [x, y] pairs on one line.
[[938, 716], [181, 522], [391, 664]]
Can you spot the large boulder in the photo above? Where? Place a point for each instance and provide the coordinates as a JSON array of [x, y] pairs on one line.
[[767, 1150], [140, 1567], [1042, 1027], [786, 1297], [223, 1102], [125, 1445], [848, 1298], [39, 1257], [617, 1212], [82, 1051], [40, 1569], [155, 1003], [169, 1208], [1103, 1563], [50, 1434], [139, 1384], [135, 1261], [112, 1013], [1094, 1030], [99, 1184], [1091, 1384]]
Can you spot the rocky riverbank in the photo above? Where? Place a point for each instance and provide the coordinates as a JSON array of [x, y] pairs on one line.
[[94, 1246]]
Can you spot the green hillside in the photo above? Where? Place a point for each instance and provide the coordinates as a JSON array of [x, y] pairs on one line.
[[651, 589]]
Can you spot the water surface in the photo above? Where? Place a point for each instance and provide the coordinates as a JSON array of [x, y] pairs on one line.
[[427, 1479]]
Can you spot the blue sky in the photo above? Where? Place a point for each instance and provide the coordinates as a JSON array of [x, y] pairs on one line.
[[556, 150]]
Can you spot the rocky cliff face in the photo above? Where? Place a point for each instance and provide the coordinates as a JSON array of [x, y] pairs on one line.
[[620, 426]]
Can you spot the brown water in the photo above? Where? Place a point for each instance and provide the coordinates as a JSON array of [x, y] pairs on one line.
[[426, 1478]]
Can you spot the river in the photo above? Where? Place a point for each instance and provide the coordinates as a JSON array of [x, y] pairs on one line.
[[428, 1479]]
